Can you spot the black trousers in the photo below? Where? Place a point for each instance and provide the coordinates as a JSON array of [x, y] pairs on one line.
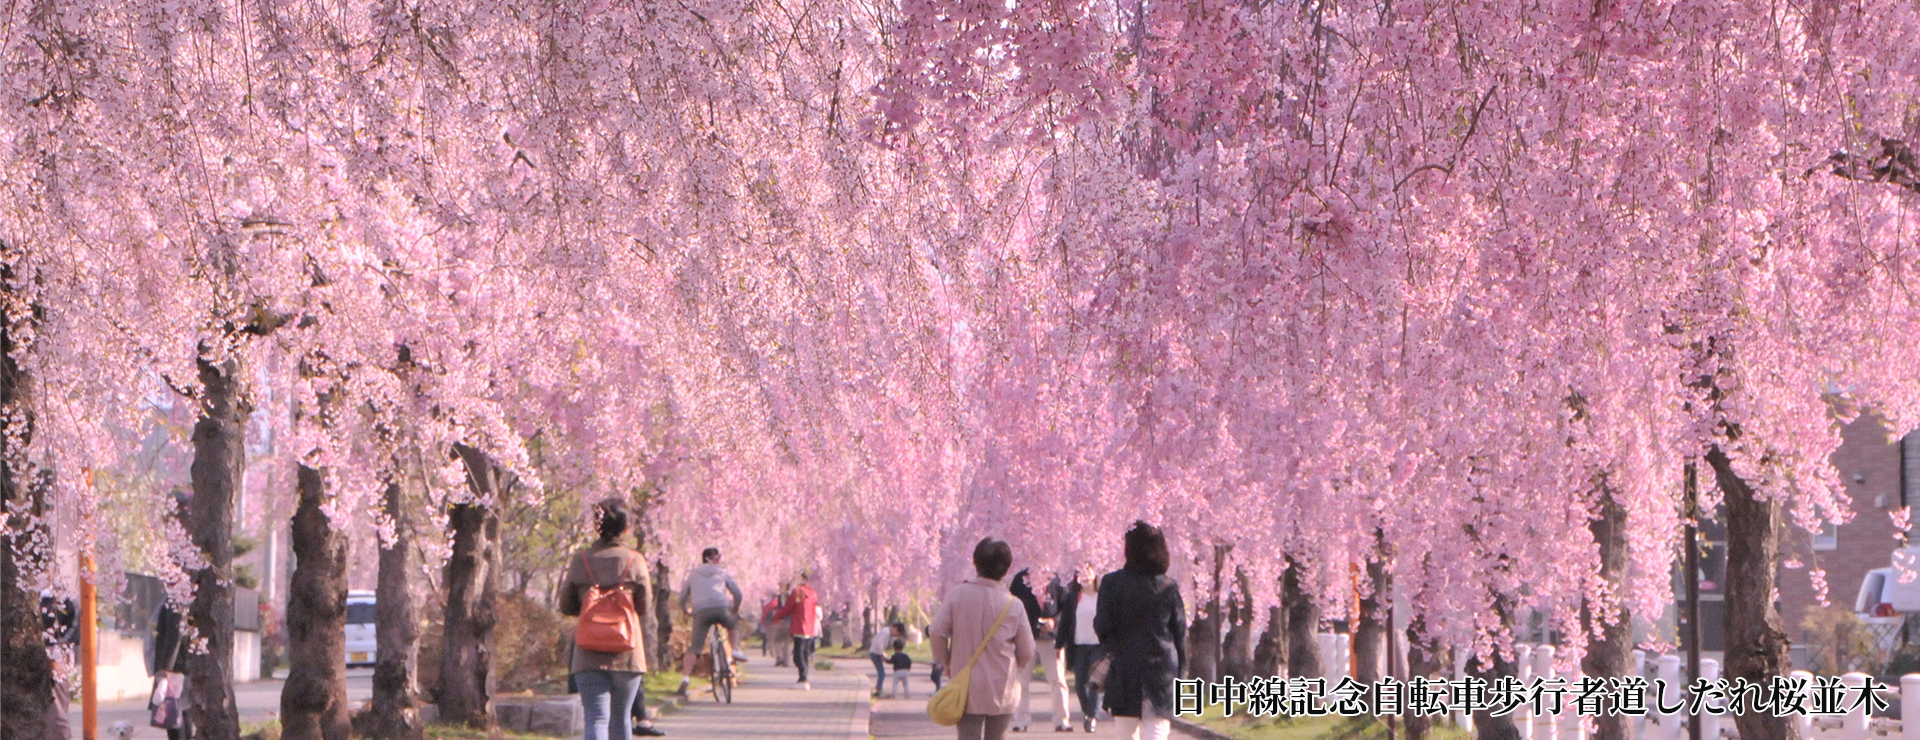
[[803, 654]]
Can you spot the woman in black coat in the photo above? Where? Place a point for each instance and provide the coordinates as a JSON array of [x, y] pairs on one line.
[[1142, 623]]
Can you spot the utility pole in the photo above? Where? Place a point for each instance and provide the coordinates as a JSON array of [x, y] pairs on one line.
[[1692, 543]]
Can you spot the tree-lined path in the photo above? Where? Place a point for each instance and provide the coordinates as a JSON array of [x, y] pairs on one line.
[[1457, 304], [766, 704]]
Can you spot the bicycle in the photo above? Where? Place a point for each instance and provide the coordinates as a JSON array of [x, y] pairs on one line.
[[724, 677]]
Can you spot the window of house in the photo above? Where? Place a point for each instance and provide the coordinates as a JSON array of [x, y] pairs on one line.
[[1828, 538]]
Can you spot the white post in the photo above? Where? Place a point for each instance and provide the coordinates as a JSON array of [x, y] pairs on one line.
[[1853, 725], [1671, 725], [1639, 725], [1523, 670], [1803, 722], [1343, 655], [1461, 719], [1572, 725], [1323, 642], [1710, 723], [1910, 707], [1543, 670]]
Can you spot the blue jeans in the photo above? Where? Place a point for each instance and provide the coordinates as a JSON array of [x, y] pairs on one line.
[[602, 692], [879, 673]]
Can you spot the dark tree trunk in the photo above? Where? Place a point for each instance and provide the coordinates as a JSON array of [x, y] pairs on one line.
[[1486, 726], [472, 572], [1424, 658], [1370, 637], [397, 630], [313, 703], [25, 670], [1203, 635], [1303, 622], [1610, 647], [1270, 654], [1236, 651], [219, 462], [662, 616], [1756, 641]]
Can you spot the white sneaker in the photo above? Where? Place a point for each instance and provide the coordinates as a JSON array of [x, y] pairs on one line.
[[803, 686]]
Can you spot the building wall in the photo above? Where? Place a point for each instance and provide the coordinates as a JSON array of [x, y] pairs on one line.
[[1869, 465]]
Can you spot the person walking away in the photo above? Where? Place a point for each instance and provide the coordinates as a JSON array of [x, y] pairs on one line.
[[973, 620], [1142, 624], [1075, 635], [779, 637], [1030, 603], [877, 652], [802, 612], [1052, 659], [712, 597], [902, 666], [1042, 614], [642, 724], [608, 664], [60, 623], [169, 710]]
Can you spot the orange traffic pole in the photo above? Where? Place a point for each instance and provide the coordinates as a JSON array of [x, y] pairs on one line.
[[89, 644], [1353, 633], [89, 649]]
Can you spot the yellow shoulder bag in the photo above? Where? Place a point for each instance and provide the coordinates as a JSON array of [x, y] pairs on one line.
[[947, 704]]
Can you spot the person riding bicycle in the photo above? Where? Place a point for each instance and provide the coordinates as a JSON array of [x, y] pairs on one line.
[[712, 597]]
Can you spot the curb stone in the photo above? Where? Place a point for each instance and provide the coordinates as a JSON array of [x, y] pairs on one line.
[[1198, 730]]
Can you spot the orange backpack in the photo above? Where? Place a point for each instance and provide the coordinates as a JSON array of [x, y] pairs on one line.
[[608, 621]]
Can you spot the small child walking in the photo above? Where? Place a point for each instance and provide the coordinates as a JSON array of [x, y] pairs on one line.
[[902, 663]]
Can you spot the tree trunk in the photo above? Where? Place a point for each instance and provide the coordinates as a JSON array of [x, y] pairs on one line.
[[395, 716], [313, 703], [466, 657], [1203, 635], [219, 464], [1424, 658], [25, 669], [1370, 637], [1236, 651], [662, 616], [1609, 644], [1756, 641], [1303, 622], [1270, 655], [1486, 726]]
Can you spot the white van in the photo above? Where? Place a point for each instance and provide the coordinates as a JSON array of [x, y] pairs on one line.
[[361, 643]]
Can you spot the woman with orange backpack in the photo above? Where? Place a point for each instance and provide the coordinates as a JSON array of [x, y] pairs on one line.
[[604, 584]]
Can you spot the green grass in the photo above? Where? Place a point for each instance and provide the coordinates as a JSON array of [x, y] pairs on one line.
[[268, 730], [1243, 727]]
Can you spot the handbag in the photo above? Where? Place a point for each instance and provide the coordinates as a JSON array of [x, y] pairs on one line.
[[1097, 673], [947, 704], [609, 623], [164, 703]]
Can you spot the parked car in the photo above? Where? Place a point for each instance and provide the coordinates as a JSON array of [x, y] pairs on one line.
[[361, 642], [1887, 596]]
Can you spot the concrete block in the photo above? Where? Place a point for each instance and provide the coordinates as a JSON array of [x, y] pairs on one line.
[[510, 716], [560, 718]]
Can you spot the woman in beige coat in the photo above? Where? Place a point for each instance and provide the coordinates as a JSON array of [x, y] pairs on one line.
[[969, 611]]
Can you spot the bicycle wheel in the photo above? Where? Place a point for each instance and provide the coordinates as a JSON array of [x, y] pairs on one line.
[[722, 667]]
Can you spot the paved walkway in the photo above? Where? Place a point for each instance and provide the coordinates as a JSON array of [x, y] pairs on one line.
[[906, 719], [258, 702], [766, 705]]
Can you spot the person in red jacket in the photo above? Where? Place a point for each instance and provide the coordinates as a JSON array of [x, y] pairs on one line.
[[803, 617]]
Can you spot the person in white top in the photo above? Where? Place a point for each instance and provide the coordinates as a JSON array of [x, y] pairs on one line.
[[1075, 635]]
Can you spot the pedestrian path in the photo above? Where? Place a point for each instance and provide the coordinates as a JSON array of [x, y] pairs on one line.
[[766, 705], [906, 718]]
